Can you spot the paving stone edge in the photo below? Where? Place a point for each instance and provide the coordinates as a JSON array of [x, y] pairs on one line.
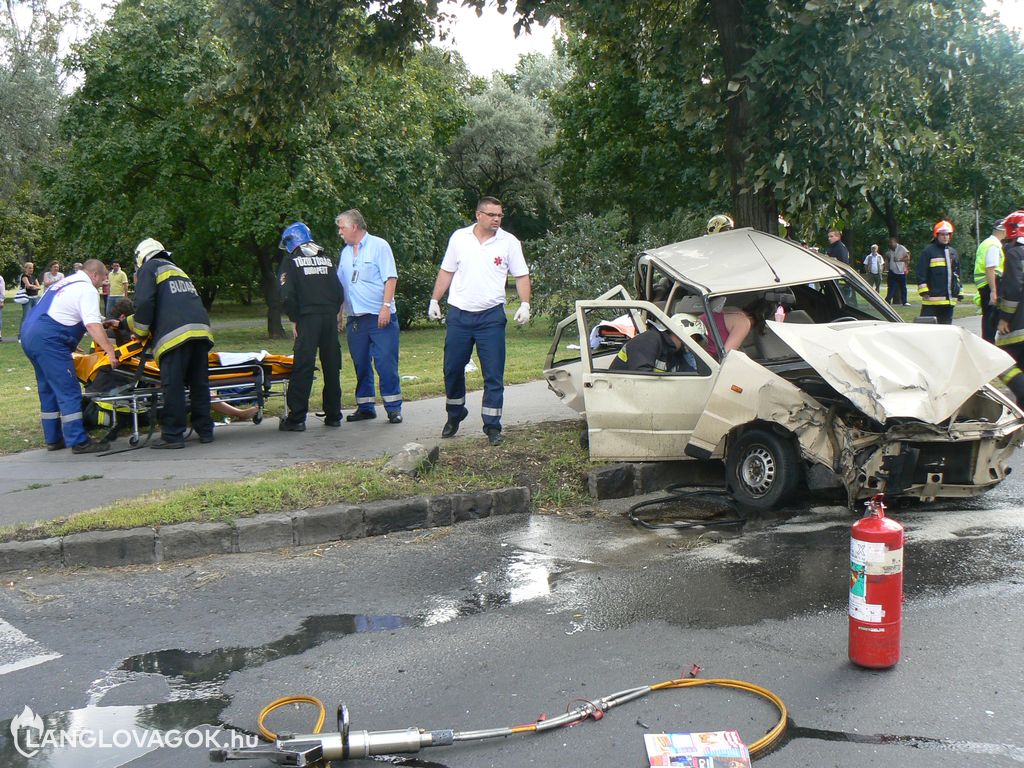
[[337, 522]]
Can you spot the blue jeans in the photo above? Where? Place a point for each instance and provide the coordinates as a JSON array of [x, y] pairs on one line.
[[32, 301], [485, 330], [375, 348]]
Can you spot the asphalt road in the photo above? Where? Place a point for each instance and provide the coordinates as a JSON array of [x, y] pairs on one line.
[[495, 622]]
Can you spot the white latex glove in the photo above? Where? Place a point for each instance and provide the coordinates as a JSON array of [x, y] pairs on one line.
[[522, 315], [434, 311]]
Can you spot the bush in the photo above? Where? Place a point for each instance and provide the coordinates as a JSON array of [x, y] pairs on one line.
[[580, 259], [412, 294]]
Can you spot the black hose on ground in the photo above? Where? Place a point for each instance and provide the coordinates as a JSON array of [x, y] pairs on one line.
[[675, 493]]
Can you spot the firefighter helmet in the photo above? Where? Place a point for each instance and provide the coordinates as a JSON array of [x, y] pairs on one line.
[[720, 223], [942, 226], [691, 325], [295, 235], [146, 250], [1014, 225]]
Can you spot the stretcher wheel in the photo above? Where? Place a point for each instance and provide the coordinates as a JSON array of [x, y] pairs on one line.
[[258, 417], [133, 440]]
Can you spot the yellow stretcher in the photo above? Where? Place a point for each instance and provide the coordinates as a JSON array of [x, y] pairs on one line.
[[133, 390]]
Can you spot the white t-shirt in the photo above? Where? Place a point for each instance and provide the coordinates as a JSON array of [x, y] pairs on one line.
[[3, 290], [75, 301], [994, 257], [481, 269]]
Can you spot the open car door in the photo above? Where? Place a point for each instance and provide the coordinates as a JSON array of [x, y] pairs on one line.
[[637, 416], [563, 368]]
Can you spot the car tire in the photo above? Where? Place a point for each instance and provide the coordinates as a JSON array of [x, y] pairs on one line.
[[762, 469]]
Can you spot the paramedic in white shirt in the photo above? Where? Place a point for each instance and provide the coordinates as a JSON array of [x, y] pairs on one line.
[[475, 269]]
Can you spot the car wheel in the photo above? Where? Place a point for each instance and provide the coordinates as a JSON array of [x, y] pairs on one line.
[[762, 469]]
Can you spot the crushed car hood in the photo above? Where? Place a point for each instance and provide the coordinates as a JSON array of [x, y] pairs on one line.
[[898, 370]]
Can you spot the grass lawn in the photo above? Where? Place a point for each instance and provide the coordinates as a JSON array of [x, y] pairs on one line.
[[419, 364], [548, 459]]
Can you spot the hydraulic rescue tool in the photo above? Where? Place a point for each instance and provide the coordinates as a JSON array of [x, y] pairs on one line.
[[345, 743], [876, 588]]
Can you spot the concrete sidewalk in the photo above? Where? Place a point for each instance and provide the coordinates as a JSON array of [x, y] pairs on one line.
[[40, 485]]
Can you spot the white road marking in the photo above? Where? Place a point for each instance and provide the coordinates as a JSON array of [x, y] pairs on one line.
[[19, 651]]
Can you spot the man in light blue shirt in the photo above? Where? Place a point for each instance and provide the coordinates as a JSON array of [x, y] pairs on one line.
[[367, 272]]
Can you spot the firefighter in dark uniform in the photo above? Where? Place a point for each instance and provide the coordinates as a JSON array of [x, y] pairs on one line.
[[1010, 328], [170, 313], [312, 297], [938, 276], [659, 350]]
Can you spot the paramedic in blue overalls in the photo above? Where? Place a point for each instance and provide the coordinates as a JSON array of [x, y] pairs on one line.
[[312, 297], [51, 332], [368, 275], [168, 311], [476, 267]]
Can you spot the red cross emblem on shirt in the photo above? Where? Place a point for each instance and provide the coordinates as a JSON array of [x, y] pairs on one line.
[[497, 261]]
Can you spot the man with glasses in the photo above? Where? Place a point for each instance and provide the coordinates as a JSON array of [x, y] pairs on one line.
[[476, 267]]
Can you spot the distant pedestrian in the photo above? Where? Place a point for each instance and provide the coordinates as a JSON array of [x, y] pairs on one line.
[[117, 285], [32, 287], [52, 275], [476, 268], [988, 270], [873, 267], [897, 263], [50, 334], [938, 276], [312, 296], [836, 247], [366, 268]]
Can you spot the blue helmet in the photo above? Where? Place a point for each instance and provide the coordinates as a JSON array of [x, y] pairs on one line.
[[294, 236]]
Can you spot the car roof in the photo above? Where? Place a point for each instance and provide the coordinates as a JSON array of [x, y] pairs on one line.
[[743, 260]]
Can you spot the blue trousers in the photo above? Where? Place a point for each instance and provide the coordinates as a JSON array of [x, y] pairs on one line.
[[486, 330], [375, 348], [49, 345]]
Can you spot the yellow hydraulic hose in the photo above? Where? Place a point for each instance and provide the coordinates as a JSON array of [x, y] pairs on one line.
[[283, 702], [588, 709]]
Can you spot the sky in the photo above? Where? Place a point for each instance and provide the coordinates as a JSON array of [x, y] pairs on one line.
[[488, 44]]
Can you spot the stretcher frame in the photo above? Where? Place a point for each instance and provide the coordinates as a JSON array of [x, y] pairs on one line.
[[142, 393]]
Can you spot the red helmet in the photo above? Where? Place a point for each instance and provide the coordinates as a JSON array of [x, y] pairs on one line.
[[942, 226], [1014, 225]]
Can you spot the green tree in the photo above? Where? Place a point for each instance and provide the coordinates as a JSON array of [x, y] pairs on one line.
[[30, 102], [146, 155], [812, 103], [501, 152]]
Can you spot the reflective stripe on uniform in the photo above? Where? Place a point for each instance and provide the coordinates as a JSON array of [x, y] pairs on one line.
[[390, 398], [1013, 337], [67, 417], [1010, 375], [180, 335], [49, 414], [169, 271], [455, 401], [363, 400], [491, 411]]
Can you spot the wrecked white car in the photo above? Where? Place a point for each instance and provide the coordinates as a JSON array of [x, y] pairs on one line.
[[828, 389]]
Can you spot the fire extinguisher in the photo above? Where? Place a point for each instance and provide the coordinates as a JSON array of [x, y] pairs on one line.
[[876, 588]]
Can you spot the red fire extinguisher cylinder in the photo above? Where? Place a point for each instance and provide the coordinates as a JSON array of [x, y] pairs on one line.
[[876, 588]]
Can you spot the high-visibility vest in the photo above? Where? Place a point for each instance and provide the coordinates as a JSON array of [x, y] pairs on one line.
[[980, 274]]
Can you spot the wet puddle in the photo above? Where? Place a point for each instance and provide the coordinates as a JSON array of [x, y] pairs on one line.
[[192, 682]]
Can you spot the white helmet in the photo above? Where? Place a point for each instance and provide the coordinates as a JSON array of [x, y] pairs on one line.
[[146, 250], [693, 327], [720, 223]]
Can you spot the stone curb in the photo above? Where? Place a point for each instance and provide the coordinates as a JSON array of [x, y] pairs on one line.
[[338, 522], [619, 481]]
